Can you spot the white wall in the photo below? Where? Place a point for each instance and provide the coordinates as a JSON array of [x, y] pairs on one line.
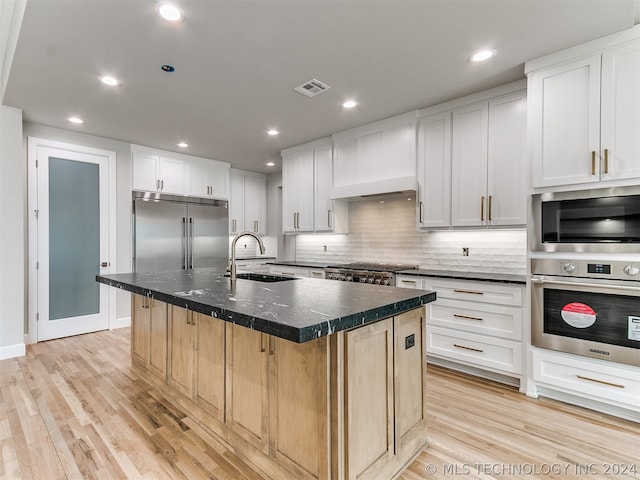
[[12, 233], [123, 195], [386, 232]]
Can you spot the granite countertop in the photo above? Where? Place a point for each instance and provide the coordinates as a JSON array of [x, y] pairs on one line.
[[483, 277], [299, 309], [295, 263]]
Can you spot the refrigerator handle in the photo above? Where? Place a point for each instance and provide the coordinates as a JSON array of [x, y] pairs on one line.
[[190, 242], [185, 243]]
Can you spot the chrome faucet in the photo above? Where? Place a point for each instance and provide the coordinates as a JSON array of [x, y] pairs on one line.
[[232, 266]]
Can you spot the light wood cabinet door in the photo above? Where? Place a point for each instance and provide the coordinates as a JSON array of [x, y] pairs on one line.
[[369, 402], [410, 372], [210, 364], [298, 406], [181, 344], [157, 358], [139, 328], [246, 389]]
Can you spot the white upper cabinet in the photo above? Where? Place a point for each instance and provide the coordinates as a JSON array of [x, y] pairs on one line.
[[155, 173], [584, 115], [248, 202], [471, 165], [154, 170], [488, 163], [434, 171], [329, 215], [207, 178], [307, 181], [297, 192], [375, 158], [507, 177]]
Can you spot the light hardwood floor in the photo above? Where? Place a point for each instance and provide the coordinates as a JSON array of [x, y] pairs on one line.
[[72, 408]]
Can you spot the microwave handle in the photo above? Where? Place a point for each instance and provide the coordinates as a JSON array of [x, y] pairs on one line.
[[541, 281]]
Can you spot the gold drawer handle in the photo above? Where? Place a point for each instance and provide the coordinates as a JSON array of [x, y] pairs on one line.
[[468, 348], [467, 317], [606, 160], [593, 162], [468, 291], [595, 380]]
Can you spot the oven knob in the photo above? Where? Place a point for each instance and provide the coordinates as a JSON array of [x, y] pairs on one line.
[[569, 267], [385, 281], [631, 270], [370, 279]]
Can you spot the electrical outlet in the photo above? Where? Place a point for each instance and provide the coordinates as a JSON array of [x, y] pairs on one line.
[[324, 248], [465, 251]]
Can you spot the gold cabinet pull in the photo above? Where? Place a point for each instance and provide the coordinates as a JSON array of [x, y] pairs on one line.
[[420, 212], [468, 348], [466, 317], [262, 346], [593, 162], [329, 218], [482, 208], [595, 380], [490, 198], [606, 160], [468, 291], [271, 346]]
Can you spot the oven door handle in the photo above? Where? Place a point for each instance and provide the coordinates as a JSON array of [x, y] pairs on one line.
[[542, 281]]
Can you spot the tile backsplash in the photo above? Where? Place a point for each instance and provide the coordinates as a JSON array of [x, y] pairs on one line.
[[383, 229]]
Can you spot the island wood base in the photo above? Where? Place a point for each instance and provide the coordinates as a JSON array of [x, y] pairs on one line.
[[350, 405]]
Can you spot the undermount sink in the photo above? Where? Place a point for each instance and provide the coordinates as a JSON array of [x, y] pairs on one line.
[[262, 277]]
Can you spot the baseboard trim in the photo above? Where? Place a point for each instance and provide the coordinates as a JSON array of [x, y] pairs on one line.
[[13, 351], [120, 323]]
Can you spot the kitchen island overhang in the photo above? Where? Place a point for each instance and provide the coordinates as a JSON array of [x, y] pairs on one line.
[[298, 310], [345, 400]]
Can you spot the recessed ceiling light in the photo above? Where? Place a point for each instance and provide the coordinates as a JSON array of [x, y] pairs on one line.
[[75, 120], [107, 80], [271, 164], [273, 132], [482, 55], [183, 144], [170, 12], [349, 104]]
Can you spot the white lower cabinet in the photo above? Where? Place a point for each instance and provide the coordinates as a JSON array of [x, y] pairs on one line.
[[253, 265], [591, 379], [290, 271], [474, 324]]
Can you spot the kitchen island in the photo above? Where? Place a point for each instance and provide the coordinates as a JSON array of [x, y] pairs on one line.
[[302, 378]]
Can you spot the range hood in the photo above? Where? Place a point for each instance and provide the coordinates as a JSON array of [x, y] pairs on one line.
[[379, 187]]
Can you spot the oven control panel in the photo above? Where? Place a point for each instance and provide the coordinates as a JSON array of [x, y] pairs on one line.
[[614, 270]]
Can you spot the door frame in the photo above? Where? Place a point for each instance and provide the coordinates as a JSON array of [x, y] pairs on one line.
[[33, 143]]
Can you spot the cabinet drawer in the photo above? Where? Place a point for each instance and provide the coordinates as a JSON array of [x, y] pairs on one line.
[[477, 350], [486, 292], [495, 320], [589, 378]]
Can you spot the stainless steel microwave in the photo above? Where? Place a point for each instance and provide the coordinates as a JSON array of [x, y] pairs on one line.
[[598, 221]]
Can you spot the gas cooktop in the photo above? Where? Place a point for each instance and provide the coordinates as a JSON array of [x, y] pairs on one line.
[[374, 267]]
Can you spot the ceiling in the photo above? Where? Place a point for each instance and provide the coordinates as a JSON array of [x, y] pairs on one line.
[[237, 62]]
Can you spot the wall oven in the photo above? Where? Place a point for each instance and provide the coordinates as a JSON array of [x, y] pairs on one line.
[[597, 221], [587, 307]]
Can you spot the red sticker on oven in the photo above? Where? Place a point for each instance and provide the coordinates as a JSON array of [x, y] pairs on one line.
[[578, 315]]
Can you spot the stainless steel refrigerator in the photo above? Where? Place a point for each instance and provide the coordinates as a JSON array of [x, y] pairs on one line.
[[171, 232]]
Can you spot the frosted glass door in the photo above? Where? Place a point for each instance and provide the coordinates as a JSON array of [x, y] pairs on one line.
[[72, 243]]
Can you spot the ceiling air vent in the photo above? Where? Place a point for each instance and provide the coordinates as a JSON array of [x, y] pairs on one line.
[[312, 88]]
